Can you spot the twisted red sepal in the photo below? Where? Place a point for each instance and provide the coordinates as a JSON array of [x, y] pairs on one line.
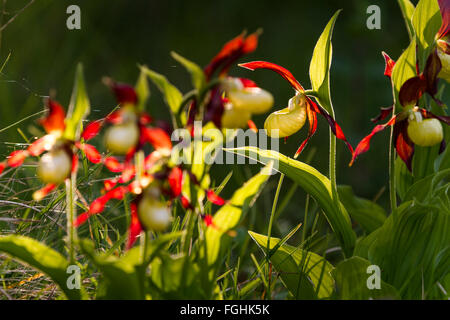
[[16, 158], [92, 129], [384, 113], [214, 198], [312, 119], [389, 64], [43, 192], [54, 121], [445, 12], [135, 228], [286, 74], [230, 52], [90, 151]]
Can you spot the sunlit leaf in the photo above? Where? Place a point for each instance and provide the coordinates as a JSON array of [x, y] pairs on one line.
[[197, 74], [41, 257], [305, 274], [407, 11], [142, 90], [314, 183]]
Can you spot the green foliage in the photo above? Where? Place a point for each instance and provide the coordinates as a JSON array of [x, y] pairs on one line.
[[79, 107], [142, 90], [314, 183], [351, 278], [367, 213], [305, 274], [197, 74], [41, 257], [407, 9]]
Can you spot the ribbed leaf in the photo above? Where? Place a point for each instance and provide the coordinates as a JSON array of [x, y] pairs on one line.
[[79, 107], [305, 274], [230, 214], [41, 257], [319, 68], [314, 183], [404, 69], [351, 281], [172, 95], [407, 11]]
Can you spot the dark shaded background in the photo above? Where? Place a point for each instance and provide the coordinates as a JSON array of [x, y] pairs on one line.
[[116, 35]]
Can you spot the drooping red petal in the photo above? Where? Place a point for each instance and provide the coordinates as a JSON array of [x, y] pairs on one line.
[[54, 121], [252, 126], [124, 93], [384, 113], [389, 64], [403, 145], [312, 119], [445, 12], [364, 144], [175, 180], [92, 129], [158, 138], [113, 164], [286, 74], [335, 128], [16, 158], [42, 193], [214, 198], [37, 147], [135, 228], [90, 151]]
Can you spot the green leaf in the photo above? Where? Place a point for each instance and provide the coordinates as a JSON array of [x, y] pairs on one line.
[[319, 68], [197, 74], [424, 190], [172, 95], [404, 69], [41, 257], [79, 107], [408, 249], [351, 281], [229, 216], [367, 213], [314, 183], [142, 90], [305, 274], [426, 22], [407, 11], [403, 178]]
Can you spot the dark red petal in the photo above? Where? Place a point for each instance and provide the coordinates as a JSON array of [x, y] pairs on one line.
[[214, 198], [431, 71], [16, 158], [312, 119], [247, 83], [92, 129], [384, 113], [54, 121], [364, 144], [412, 90], [175, 180], [428, 114], [286, 74], [37, 147], [113, 164], [135, 227], [403, 145], [124, 93], [158, 138], [389, 64], [445, 12], [42, 193], [335, 128], [90, 151]]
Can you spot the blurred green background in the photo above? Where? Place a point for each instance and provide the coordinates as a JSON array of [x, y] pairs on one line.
[[117, 35]]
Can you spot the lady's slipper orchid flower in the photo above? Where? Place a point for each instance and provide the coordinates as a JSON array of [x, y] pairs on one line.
[[59, 156], [291, 119], [413, 125], [233, 101]]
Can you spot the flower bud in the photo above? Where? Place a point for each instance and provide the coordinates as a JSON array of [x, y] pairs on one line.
[[153, 214], [54, 166], [286, 122], [120, 138], [425, 132], [233, 118]]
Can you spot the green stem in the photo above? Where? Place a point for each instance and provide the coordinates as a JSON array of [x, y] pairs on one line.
[[70, 215], [392, 187]]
